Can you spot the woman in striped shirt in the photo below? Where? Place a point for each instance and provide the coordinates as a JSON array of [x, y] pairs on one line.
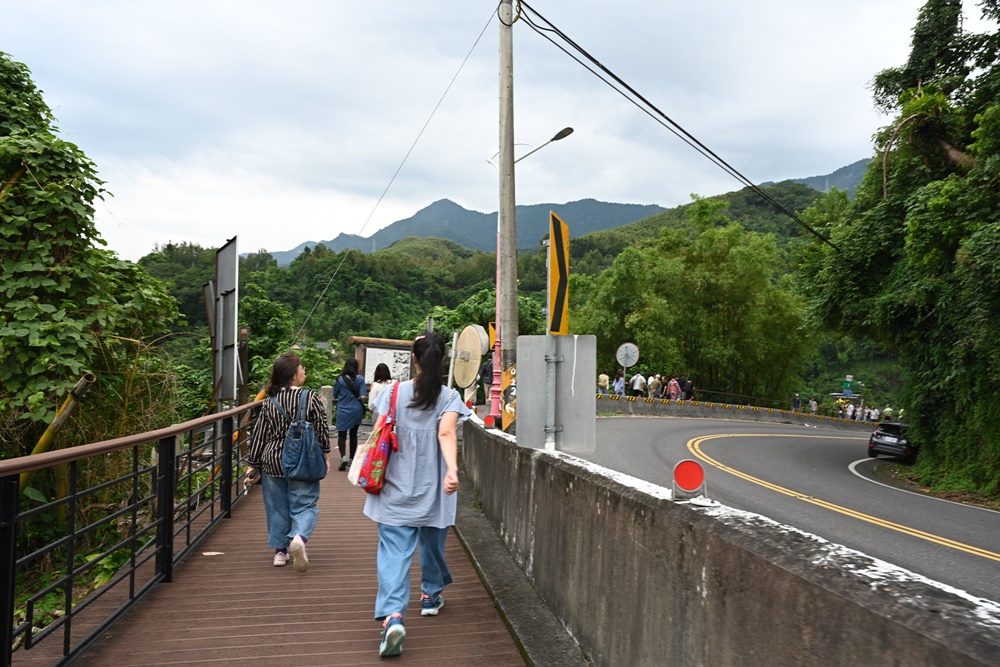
[[290, 506]]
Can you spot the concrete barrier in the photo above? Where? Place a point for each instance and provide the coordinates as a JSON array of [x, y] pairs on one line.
[[631, 405], [640, 580]]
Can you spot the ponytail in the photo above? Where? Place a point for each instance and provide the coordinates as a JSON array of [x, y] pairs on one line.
[[429, 352]]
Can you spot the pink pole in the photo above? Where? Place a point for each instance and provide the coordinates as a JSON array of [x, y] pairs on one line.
[[496, 391]]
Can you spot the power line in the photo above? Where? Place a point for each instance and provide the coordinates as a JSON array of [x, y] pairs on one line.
[[651, 110], [392, 180]]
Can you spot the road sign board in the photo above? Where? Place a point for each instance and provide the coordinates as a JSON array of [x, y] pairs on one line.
[[558, 275]]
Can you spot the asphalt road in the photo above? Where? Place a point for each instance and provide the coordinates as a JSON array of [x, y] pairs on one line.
[[817, 480]]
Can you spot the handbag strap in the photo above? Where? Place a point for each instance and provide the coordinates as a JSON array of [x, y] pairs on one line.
[[280, 409], [391, 417], [301, 409]]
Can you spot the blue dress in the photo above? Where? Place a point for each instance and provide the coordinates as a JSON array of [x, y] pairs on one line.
[[413, 494], [350, 409]]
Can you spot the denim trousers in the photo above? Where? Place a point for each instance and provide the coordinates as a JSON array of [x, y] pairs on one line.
[[290, 508], [396, 545]]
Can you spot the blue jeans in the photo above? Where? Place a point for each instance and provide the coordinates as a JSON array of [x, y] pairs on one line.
[[290, 508], [396, 545]]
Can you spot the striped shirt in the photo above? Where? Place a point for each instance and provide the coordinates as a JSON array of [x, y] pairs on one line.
[[268, 436]]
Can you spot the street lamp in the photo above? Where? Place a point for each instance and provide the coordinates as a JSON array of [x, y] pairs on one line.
[[506, 318], [561, 134]]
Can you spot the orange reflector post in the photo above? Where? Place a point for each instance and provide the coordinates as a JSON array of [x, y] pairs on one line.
[[488, 422], [689, 480]]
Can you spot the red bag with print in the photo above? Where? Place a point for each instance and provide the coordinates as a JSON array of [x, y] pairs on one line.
[[370, 475]]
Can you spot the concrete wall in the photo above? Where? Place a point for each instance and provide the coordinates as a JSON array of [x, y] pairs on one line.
[[640, 580], [630, 405]]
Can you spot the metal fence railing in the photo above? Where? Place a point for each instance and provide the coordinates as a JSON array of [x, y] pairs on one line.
[[124, 513]]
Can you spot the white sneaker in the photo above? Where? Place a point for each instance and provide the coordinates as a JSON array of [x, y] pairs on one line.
[[298, 551], [280, 559]]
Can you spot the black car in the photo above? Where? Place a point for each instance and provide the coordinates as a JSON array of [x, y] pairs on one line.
[[891, 438]]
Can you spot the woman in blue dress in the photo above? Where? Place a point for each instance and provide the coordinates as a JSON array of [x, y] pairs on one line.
[[349, 391], [418, 501]]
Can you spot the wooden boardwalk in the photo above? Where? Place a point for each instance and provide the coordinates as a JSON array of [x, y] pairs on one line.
[[228, 605]]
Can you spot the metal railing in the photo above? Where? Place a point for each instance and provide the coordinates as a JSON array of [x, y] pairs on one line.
[[132, 508]]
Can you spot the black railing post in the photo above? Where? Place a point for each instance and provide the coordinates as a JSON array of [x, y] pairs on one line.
[[165, 496], [226, 491], [9, 491]]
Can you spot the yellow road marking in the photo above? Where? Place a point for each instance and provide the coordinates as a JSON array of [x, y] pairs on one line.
[[694, 446]]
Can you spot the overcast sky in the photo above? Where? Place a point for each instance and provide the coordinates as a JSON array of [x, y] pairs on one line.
[[284, 122]]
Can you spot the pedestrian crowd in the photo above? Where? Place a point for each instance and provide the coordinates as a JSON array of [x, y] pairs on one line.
[[869, 413], [673, 387], [417, 502]]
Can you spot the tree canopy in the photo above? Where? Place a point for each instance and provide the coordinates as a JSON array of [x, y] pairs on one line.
[[919, 266], [706, 301], [70, 307]]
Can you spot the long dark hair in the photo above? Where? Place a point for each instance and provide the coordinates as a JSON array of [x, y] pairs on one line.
[[429, 351], [350, 369], [381, 374], [283, 372]]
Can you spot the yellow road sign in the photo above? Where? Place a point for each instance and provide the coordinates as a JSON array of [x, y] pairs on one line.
[[558, 275]]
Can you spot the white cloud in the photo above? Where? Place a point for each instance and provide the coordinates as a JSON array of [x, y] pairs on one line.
[[285, 122]]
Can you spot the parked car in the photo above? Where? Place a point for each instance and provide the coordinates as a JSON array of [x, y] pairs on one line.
[[891, 438]]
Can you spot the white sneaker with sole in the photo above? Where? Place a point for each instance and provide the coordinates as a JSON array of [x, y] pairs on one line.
[[393, 634], [280, 559], [298, 550]]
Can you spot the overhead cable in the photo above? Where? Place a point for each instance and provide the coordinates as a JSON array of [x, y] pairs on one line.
[[391, 180], [650, 109]]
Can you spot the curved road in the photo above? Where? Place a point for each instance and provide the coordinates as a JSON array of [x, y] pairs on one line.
[[817, 480]]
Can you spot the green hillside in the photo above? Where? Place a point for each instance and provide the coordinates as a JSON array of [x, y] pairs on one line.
[[593, 252]]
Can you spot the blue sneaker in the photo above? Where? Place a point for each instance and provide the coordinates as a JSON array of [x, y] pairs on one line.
[[429, 606], [393, 634]]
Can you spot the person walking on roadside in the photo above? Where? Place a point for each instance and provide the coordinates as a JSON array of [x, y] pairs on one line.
[[797, 404], [619, 385], [638, 383], [289, 506], [348, 391], [418, 501], [674, 388], [602, 383], [813, 406], [687, 390], [655, 386]]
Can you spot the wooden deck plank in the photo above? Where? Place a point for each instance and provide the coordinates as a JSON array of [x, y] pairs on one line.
[[228, 605]]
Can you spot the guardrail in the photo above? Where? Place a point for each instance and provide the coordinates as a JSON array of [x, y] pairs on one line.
[[133, 507], [636, 405]]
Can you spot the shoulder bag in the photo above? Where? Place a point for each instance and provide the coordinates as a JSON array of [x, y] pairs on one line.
[[370, 461]]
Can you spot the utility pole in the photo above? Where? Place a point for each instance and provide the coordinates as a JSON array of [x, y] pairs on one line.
[[506, 224]]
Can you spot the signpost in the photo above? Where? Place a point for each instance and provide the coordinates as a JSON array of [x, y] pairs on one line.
[[558, 318]]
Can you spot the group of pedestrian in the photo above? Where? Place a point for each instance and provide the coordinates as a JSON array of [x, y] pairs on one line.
[[870, 413], [797, 405], [674, 387], [417, 502], [605, 385]]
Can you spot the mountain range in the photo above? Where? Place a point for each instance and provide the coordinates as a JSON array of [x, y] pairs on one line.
[[478, 231]]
